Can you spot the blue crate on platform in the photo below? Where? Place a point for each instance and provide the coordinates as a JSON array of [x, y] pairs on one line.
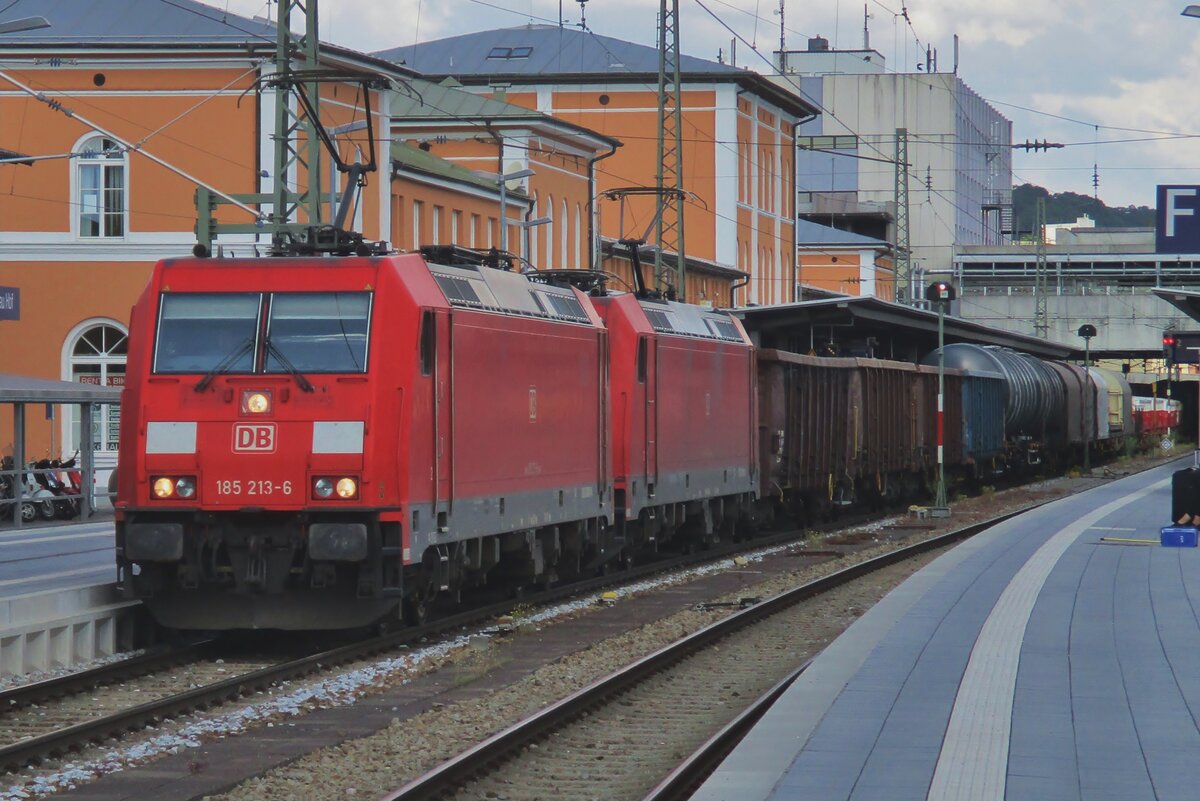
[[1179, 537]]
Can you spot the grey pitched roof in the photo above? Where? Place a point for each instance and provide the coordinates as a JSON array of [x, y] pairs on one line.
[[96, 24], [134, 21], [551, 50], [531, 53], [811, 233]]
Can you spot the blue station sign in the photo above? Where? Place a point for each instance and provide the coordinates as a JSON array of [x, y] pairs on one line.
[[10, 303], [1177, 219]]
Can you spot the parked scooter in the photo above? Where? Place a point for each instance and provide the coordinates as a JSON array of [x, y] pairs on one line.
[[37, 499], [65, 503]]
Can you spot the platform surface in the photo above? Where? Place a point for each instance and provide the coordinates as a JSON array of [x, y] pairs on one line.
[[1034, 662], [44, 558]]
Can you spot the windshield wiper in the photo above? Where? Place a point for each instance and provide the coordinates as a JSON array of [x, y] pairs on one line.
[[287, 365], [225, 364]]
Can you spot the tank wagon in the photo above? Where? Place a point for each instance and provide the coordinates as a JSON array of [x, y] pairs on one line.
[[1051, 408]]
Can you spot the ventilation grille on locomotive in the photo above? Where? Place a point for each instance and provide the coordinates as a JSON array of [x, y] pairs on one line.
[[569, 307], [458, 290], [724, 329], [659, 321]]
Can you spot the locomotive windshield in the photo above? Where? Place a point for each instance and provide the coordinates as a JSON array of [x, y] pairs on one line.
[[213, 333], [321, 332], [197, 332]]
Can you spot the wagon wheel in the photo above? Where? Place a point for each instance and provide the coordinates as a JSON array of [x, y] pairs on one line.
[[414, 610]]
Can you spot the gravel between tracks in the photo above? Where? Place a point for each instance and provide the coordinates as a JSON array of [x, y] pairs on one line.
[[372, 765]]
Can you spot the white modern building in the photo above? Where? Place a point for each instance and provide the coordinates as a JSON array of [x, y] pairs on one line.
[[959, 153]]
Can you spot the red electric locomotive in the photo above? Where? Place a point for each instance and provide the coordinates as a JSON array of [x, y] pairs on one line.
[[307, 443], [684, 419]]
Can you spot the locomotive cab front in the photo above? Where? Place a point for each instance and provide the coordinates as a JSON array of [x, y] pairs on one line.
[[255, 495]]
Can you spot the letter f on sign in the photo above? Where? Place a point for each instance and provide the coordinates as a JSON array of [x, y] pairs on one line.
[[1174, 211]]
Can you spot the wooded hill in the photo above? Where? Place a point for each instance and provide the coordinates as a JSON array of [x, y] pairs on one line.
[[1067, 207]]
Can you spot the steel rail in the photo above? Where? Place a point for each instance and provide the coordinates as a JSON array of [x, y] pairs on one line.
[[682, 782], [501, 746], [22, 695]]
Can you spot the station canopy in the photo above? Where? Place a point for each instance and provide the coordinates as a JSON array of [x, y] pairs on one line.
[[24, 389]]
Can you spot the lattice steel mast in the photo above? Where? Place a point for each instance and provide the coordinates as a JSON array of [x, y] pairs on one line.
[[904, 288], [670, 146], [1041, 320]]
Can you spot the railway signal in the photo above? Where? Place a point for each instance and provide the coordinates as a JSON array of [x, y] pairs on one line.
[[941, 292], [1170, 344]]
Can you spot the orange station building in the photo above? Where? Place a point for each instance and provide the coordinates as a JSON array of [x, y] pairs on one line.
[[738, 131], [129, 120]]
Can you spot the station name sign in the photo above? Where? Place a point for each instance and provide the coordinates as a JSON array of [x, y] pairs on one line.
[[1177, 219], [10, 303]]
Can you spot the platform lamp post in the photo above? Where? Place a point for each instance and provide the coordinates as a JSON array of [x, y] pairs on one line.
[[504, 179], [1087, 331], [941, 293]]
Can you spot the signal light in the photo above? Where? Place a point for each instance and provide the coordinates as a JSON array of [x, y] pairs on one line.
[[940, 291], [1170, 343]]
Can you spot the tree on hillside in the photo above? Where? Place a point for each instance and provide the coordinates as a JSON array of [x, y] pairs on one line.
[[1067, 207]]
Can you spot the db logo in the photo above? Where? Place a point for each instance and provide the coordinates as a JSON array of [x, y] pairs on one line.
[[258, 438]]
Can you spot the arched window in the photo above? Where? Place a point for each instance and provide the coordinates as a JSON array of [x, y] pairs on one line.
[[100, 187], [97, 354], [579, 262], [562, 239]]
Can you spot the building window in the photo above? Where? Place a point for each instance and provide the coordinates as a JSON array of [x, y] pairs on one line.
[[827, 142], [505, 53], [101, 168], [416, 226], [437, 225], [579, 263], [562, 238], [98, 358]]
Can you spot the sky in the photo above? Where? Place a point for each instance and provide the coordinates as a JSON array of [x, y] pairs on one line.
[[1109, 79]]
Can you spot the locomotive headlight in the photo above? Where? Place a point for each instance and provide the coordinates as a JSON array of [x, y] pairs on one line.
[[164, 487], [347, 488], [323, 487], [256, 401], [185, 487]]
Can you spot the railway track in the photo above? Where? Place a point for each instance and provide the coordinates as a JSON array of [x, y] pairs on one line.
[[58, 741], [37, 740], [646, 719]]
